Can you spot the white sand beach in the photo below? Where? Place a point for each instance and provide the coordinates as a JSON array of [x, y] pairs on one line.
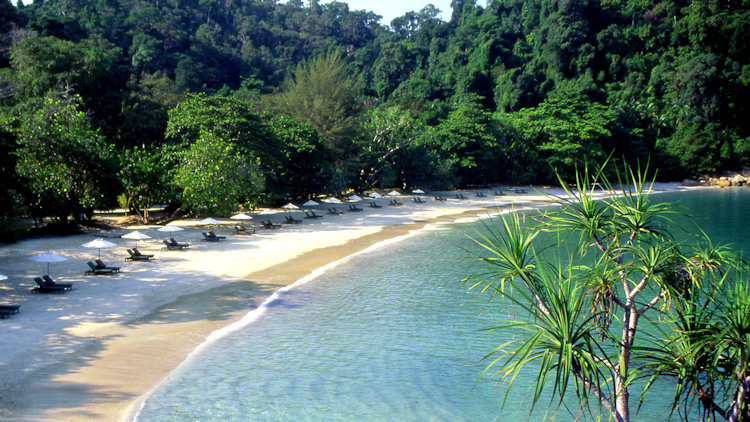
[[93, 352]]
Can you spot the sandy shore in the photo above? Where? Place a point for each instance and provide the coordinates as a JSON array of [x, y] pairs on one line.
[[92, 353]]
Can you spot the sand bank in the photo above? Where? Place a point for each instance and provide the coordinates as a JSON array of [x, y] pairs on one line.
[[92, 353]]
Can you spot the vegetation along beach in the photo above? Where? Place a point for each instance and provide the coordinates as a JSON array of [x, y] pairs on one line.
[[169, 169]]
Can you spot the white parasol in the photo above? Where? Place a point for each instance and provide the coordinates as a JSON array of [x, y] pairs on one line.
[[170, 228], [99, 243], [417, 191], [375, 195], [3, 277], [332, 200], [290, 206], [241, 216], [354, 198], [208, 221], [310, 203], [137, 236], [393, 193], [48, 257], [268, 212]]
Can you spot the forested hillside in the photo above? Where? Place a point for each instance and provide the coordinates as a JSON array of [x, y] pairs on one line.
[[129, 97]]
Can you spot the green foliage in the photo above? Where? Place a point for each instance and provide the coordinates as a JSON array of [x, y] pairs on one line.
[[322, 93], [146, 179], [67, 166], [562, 132], [216, 177], [617, 255]]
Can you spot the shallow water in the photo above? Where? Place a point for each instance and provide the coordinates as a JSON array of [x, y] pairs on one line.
[[387, 335]]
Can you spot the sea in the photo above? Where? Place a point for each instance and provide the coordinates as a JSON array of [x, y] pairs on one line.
[[392, 334]]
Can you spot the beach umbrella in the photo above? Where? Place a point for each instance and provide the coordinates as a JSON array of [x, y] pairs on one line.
[[310, 203], [393, 193], [209, 221], [241, 216], [290, 206], [170, 228], [268, 212], [332, 200], [355, 198], [137, 236], [99, 243], [48, 257], [3, 277], [375, 195], [418, 191]]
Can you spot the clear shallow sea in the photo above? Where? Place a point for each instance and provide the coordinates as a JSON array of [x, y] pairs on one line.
[[389, 335]]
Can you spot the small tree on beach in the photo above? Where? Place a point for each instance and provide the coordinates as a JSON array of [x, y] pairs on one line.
[[588, 271]]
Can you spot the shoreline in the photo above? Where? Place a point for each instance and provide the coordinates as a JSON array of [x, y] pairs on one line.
[[105, 366]]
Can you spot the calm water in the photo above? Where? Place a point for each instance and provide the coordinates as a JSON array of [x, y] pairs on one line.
[[388, 335]]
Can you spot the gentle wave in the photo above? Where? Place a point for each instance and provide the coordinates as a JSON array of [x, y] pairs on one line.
[[256, 313]]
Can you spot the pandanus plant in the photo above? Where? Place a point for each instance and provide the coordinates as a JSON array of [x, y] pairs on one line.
[[581, 276]]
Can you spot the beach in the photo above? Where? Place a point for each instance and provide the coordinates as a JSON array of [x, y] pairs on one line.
[[94, 352]]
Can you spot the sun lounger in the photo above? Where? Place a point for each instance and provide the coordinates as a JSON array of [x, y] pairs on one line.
[[418, 200], [5, 313], [209, 238], [440, 198], [211, 233], [137, 252], [334, 211], [138, 257], [374, 204], [101, 265], [243, 231], [481, 195], [97, 271], [12, 309], [520, 191], [311, 214], [172, 245], [395, 203], [499, 193], [269, 225], [44, 288], [292, 220], [50, 282], [353, 207], [461, 196]]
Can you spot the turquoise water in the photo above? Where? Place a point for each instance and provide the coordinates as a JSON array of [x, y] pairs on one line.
[[388, 335]]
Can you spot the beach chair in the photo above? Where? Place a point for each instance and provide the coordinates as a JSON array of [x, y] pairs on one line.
[[11, 309], [418, 200], [395, 203], [44, 288], [241, 230], [137, 252], [440, 198], [97, 271], [208, 238], [172, 245], [481, 195], [50, 282], [101, 265], [461, 196], [520, 191], [311, 214], [353, 207], [138, 256], [374, 204], [212, 234], [334, 211], [499, 193], [292, 220], [8, 310], [269, 225]]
